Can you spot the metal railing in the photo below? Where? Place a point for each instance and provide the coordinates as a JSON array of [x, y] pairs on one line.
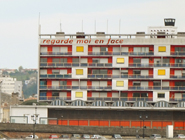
[[55, 75], [75, 87], [156, 65], [178, 53], [53, 64], [156, 88], [56, 53]]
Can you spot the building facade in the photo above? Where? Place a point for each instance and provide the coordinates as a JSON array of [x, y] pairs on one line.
[[100, 71]]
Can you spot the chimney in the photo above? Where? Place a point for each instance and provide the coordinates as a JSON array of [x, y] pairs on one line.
[[80, 35]]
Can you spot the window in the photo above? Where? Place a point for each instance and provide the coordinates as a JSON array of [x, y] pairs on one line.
[[79, 49], [166, 60], [179, 49], [97, 71], [161, 72], [119, 83], [120, 60], [136, 72], [156, 83], [76, 60], [63, 83], [140, 94], [55, 93], [79, 94], [55, 71], [43, 60], [161, 95], [136, 83], [162, 49], [141, 49], [57, 60], [43, 83], [79, 71], [103, 49], [123, 94], [137, 60], [96, 60]]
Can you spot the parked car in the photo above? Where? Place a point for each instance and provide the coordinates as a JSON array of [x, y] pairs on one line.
[[96, 137], [180, 136], [76, 136], [117, 136], [64, 136], [86, 136], [31, 137], [155, 136], [53, 136]]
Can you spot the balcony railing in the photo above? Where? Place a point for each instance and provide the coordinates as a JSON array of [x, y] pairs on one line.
[[177, 76], [121, 53], [55, 53], [118, 76], [75, 87], [75, 64], [55, 75], [156, 65], [178, 53], [156, 88]]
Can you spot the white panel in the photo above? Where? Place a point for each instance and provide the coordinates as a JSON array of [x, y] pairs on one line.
[[96, 49], [56, 49], [116, 49], [55, 83], [104, 60], [83, 60], [95, 94], [74, 83], [43, 71], [178, 95], [63, 94], [144, 84], [103, 83], [114, 94], [103, 94], [178, 72], [144, 72], [83, 83], [124, 49], [63, 71], [165, 84], [43, 49], [95, 83], [115, 72], [63, 49], [144, 61]]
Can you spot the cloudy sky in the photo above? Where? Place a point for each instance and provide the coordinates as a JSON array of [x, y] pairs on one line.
[[19, 22]]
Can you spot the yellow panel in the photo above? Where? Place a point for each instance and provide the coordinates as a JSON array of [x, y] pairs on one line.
[[120, 60], [119, 83], [79, 49], [162, 49], [79, 94], [161, 72], [79, 71]]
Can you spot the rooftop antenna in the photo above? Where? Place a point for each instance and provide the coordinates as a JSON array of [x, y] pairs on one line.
[[60, 26], [95, 26], [107, 26], [82, 25], [119, 25]]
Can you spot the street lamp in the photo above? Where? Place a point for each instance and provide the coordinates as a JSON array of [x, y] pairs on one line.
[[34, 117], [146, 117]]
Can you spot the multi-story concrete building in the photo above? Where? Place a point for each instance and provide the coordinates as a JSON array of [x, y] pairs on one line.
[[10, 85], [137, 72]]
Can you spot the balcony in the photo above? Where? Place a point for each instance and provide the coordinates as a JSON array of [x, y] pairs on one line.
[[75, 64], [45, 87], [121, 53], [55, 53], [138, 65], [177, 76], [106, 76], [178, 53], [55, 76], [156, 88]]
